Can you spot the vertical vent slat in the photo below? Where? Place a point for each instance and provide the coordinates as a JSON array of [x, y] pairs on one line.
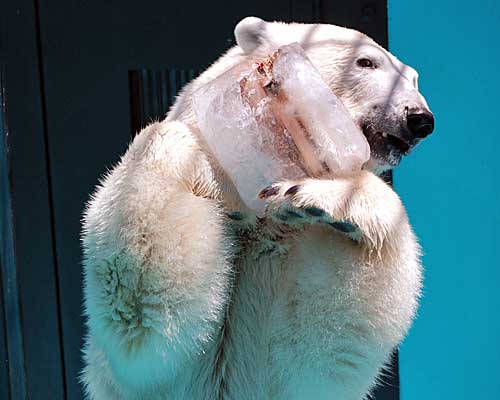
[[153, 96], [182, 74], [143, 99], [152, 93], [165, 90], [173, 85]]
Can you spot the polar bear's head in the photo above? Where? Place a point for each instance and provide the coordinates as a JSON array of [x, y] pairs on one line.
[[380, 92]]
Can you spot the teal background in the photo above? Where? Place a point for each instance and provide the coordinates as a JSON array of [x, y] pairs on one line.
[[450, 188]]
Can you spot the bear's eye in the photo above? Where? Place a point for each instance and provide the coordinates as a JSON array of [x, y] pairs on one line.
[[365, 63]]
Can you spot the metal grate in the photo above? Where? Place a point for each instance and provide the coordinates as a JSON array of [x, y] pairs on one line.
[[153, 92]]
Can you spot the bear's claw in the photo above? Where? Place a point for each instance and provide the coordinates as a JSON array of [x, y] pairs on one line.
[[235, 215], [288, 206], [293, 190], [268, 191], [345, 227]]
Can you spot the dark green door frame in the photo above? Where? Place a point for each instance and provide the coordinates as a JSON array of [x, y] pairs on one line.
[[67, 116]]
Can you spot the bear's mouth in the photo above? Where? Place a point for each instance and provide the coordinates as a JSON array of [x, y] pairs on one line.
[[386, 146]]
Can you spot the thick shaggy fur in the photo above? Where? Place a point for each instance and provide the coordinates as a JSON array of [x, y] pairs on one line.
[[187, 300]]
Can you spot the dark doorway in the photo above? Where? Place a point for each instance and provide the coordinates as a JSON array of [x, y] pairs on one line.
[[67, 90]]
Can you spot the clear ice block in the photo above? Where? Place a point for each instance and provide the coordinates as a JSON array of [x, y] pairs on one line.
[[275, 119]]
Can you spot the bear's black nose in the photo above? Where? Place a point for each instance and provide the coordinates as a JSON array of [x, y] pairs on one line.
[[420, 123]]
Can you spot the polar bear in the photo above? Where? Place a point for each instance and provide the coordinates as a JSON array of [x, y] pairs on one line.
[[188, 295]]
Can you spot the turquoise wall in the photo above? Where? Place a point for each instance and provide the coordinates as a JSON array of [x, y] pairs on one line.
[[450, 185]]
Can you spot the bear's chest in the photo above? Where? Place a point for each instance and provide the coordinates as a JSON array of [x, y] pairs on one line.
[[252, 329]]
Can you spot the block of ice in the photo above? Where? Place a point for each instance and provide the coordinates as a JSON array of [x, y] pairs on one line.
[[276, 119]]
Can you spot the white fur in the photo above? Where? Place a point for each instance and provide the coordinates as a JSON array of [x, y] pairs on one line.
[[183, 303]]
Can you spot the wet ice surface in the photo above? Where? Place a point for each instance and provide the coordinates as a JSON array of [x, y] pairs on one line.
[[274, 120]]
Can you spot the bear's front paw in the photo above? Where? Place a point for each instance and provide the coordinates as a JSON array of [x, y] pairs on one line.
[[299, 204]]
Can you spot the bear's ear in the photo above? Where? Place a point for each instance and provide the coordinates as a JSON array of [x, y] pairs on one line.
[[250, 32]]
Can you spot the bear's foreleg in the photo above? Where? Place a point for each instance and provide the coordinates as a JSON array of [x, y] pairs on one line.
[[349, 288], [156, 269]]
